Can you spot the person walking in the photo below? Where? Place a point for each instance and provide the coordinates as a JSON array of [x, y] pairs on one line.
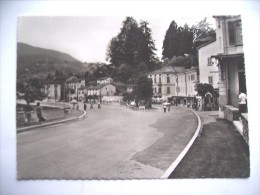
[[242, 102], [99, 106], [28, 113], [164, 108], [85, 107], [39, 112], [91, 105]]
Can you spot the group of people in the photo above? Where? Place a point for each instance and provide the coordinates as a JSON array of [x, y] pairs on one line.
[[29, 110], [91, 106]]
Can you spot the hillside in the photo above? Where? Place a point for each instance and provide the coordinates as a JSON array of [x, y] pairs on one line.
[[35, 61]]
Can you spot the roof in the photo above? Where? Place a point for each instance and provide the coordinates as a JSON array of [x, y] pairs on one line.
[[99, 86], [104, 78], [205, 44], [119, 84], [226, 16], [166, 69], [82, 87]]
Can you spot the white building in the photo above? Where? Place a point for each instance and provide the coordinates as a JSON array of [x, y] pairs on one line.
[[174, 83], [208, 67], [108, 89], [75, 84], [53, 90]]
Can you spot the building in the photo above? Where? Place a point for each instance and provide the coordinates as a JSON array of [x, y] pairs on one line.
[[104, 80], [108, 89], [208, 72], [230, 58], [163, 82], [185, 85], [81, 93], [54, 90], [73, 84], [174, 83]]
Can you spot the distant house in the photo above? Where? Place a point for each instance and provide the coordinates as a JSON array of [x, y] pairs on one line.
[[104, 80], [185, 85], [230, 58], [174, 83], [108, 89], [54, 90], [74, 84], [81, 93], [163, 82]]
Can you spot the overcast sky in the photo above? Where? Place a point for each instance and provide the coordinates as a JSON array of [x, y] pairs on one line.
[[87, 38]]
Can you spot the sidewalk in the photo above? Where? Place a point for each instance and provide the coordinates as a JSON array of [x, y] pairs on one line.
[[74, 114], [220, 152]]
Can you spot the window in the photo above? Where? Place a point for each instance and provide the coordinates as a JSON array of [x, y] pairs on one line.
[[192, 77], [154, 90], [155, 79], [160, 80], [168, 90], [210, 80], [168, 78], [209, 62], [235, 32], [160, 90]]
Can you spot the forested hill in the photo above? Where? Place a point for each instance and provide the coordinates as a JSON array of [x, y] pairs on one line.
[[28, 50], [39, 62]]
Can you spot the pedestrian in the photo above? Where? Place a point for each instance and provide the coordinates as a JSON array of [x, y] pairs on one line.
[[77, 106], [242, 102], [85, 106], [91, 105], [169, 107], [28, 110], [164, 108], [39, 112], [99, 106]]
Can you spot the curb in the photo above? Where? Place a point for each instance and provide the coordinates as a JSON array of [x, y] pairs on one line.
[[172, 167], [23, 129]]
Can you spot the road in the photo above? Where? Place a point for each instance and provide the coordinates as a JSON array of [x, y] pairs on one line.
[[114, 142]]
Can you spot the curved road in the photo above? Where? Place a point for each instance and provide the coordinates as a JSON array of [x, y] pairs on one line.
[[112, 143]]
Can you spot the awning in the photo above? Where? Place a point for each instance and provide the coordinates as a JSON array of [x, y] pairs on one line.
[[223, 56]]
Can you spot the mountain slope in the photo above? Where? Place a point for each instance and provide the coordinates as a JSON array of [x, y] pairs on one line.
[[39, 62], [28, 50]]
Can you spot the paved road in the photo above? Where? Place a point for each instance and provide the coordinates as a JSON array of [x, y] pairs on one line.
[[114, 142]]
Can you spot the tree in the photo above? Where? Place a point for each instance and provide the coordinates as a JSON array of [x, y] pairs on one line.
[[133, 45], [143, 89], [146, 46], [32, 90], [202, 32], [171, 43]]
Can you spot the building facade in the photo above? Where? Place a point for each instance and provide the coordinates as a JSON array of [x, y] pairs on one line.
[[54, 91], [174, 83], [209, 73], [102, 90], [230, 60], [74, 86]]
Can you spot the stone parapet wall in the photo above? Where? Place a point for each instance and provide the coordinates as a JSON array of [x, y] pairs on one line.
[[245, 126], [230, 113]]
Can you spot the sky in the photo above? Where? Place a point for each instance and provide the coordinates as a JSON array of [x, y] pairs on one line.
[[86, 38]]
